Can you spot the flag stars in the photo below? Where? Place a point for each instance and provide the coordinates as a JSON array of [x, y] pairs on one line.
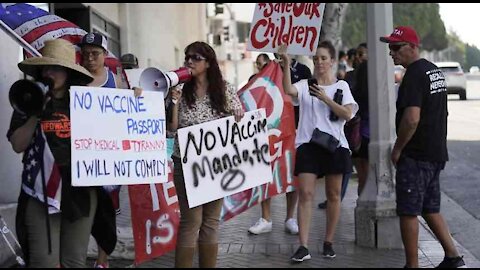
[[19, 14], [33, 162]]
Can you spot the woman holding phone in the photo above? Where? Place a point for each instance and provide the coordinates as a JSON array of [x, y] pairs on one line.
[[323, 114]]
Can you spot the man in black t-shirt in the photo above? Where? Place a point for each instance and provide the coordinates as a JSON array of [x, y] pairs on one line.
[[420, 150]]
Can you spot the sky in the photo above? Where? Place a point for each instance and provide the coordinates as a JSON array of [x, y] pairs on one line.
[[463, 19], [459, 17]]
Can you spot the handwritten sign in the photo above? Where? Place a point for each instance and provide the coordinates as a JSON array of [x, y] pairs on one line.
[[223, 157], [116, 138], [295, 24]]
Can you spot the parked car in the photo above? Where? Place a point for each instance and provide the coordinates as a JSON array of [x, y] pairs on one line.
[[399, 72], [455, 78], [474, 69]]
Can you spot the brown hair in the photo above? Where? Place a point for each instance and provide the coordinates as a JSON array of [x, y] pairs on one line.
[[216, 84], [329, 46]]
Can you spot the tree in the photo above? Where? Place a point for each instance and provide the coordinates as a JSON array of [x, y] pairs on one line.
[[424, 17], [456, 49], [472, 54], [333, 19]]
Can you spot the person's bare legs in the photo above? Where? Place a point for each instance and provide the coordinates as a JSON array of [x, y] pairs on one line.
[[292, 198], [306, 188], [333, 187], [265, 204], [361, 165], [440, 228], [409, 231], [102, 256]]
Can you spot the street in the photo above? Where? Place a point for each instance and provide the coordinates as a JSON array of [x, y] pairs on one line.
[[460, 180]]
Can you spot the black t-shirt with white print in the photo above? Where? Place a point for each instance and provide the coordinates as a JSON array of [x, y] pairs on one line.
[[424, 86]]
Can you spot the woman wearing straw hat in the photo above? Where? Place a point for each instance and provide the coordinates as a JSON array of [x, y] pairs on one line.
[[66, 232]]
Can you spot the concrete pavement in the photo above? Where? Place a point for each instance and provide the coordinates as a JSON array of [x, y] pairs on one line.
[[237, 248]]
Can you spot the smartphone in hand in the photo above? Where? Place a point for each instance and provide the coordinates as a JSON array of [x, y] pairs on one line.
[[311, 82]]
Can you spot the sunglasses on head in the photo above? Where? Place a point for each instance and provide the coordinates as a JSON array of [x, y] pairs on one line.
[[194, 57], [397, 46]]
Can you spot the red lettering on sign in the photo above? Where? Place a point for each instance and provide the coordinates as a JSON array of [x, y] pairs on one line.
[[253, 35]]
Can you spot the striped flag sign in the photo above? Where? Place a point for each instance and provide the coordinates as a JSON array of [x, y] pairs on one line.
[[35, 26], [38, 162]]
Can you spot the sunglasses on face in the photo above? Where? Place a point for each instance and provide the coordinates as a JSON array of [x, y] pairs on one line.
[[95, 54], [396, 47], [194, 57]]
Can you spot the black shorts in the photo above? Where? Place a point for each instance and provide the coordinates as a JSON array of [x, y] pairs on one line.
[[363, 151], [311, 158], [418, 187]]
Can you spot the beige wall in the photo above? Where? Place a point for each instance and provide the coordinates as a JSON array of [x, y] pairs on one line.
[[157, 33], [10, 162]]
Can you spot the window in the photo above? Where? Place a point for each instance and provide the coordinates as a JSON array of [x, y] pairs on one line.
[[108, 29]]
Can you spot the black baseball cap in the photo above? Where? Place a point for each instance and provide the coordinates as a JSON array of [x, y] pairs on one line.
[[129, 59], [94, 39]]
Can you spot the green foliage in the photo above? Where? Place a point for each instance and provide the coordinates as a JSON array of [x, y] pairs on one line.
[[472, 54], [456, 51], [423, 17]]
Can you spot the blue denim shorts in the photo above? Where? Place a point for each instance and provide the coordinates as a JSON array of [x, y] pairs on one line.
[[418, 187]]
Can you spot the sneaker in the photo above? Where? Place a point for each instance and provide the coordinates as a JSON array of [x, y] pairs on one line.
[[456, 262], [301, 255], [101, 265], [323, 205], [291, 226], [262, 226], [328, 251]]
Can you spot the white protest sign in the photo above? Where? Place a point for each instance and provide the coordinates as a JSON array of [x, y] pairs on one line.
[[224, 157], [117, 139], [295, 24]]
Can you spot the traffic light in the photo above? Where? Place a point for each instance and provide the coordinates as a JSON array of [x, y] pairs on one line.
[[218, 8], [226, 33]]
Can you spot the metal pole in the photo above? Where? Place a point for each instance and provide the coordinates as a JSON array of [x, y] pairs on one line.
[[19, 40], [234, 37]]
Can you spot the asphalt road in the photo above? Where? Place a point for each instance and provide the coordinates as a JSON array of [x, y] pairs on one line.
[[460, 180]]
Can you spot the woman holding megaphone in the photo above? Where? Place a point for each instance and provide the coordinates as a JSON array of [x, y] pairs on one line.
[[50, 237], [204, 98]]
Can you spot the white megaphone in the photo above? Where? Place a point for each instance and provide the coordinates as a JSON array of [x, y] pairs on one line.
[[153, 79]]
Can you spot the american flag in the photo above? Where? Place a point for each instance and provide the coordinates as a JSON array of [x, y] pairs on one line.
[[35, 26], [37, 152]]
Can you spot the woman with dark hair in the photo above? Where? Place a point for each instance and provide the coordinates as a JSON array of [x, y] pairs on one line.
[[325, 105], [206, 97]]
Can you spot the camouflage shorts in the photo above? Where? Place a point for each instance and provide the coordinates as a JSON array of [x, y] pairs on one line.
[[418, 187]]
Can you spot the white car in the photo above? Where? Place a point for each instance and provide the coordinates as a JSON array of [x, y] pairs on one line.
[[474, 69], [455, 78]]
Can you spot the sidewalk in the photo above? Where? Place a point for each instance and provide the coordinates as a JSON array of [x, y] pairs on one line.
[[237, 248]]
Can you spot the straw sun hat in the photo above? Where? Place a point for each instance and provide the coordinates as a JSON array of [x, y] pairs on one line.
[[57, 52]]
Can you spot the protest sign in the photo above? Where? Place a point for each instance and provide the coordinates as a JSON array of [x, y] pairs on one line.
[[116, 138], [265, 90], [294, 24], [223, 157]]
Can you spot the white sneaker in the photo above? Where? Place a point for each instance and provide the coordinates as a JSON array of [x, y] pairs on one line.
[[262, 226], [291, 226]]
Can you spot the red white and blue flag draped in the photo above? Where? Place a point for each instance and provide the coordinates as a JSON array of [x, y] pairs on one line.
[[32, 173], [35, 26]]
